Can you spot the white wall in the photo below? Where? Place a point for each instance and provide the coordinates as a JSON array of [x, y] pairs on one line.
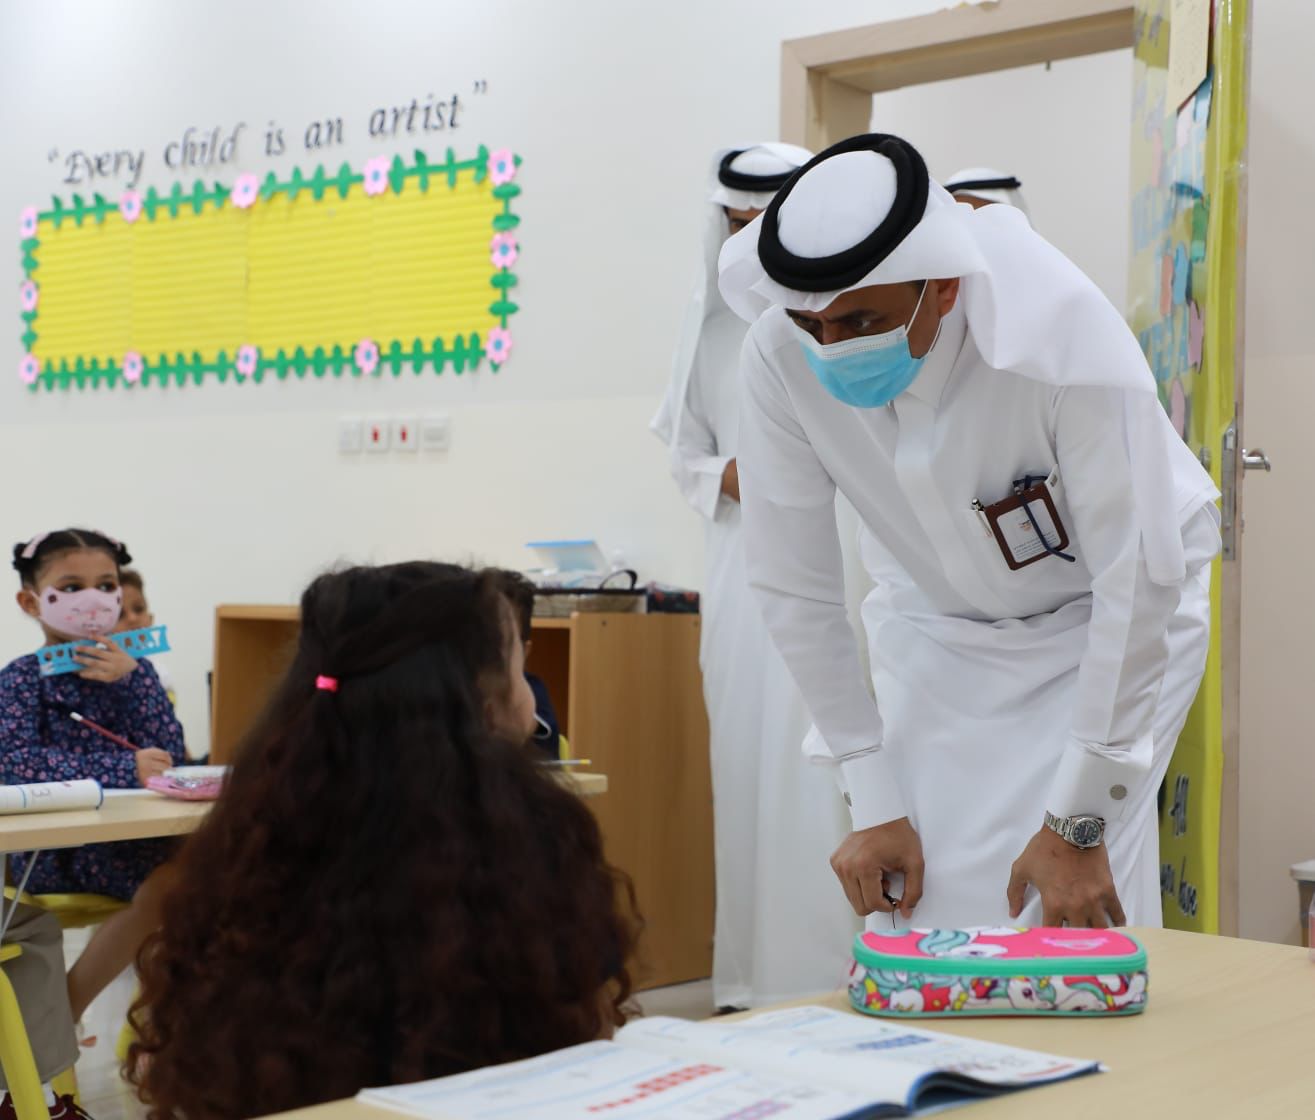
[[235, 493], [1277, 779], [1062, 130]]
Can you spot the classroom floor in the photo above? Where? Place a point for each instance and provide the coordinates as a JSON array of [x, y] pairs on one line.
[[106, 1097]]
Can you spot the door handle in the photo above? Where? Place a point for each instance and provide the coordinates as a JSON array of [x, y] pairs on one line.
[[1256, 460]]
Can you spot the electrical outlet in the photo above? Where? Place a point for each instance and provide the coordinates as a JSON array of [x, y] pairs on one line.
[[351, 434], [406, 434], [436, 433], [378, 435]]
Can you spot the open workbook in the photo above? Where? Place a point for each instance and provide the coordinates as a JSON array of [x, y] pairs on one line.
[[805, 1063]]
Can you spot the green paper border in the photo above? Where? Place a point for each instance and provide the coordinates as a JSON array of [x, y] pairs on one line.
[[464, 352]]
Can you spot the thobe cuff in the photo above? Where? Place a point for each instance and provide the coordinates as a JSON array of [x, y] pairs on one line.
[[1098, 780], [705, 493], [873, 790]]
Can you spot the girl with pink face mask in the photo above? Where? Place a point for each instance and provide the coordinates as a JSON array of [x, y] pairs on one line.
[[70, 587]]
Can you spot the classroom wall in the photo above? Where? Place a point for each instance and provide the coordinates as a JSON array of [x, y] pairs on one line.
[[1277, 763], [1061, 129], [233, 493]]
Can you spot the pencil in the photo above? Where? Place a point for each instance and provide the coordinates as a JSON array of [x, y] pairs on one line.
[[113, 738]]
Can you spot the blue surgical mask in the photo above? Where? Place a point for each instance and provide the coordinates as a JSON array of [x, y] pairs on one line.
[[868, 371]]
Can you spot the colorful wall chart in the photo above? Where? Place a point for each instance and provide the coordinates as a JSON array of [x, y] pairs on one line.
[[1187, 167], [402, 264]]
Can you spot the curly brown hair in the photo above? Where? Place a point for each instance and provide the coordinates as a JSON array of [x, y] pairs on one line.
[[385, 892]]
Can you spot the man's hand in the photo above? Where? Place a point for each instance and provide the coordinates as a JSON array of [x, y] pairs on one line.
[[730, 481], [865, 861], [1076, 886]]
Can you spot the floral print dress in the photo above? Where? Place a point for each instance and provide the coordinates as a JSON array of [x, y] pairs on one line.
[[40, 742]]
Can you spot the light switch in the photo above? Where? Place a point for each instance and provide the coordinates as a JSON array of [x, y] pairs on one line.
[[436, 433], [377, 434], [351, 434], [406, 434]]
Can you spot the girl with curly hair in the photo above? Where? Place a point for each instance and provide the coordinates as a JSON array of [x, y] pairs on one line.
[[372, 900]]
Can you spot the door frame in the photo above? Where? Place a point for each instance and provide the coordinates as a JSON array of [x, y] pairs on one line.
[[827, 83]]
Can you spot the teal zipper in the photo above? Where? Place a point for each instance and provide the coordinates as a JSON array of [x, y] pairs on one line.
[[994, 966]]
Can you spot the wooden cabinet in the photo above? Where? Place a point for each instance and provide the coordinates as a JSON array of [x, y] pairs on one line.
[[629, 697]]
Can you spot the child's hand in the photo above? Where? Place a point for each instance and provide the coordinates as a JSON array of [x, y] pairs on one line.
[[105, 662], [151, 763]]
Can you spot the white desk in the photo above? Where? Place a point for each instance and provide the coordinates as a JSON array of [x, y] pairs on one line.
[[131, 815], [1227, 1035]]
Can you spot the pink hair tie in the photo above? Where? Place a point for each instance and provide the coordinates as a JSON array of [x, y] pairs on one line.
[[30, 549], [326, 684]]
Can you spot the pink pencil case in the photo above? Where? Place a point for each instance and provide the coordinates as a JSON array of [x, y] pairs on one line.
[[925, 973]]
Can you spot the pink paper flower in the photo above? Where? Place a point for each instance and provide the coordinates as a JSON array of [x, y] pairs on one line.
[[376, 175], [130, 206], [27, 223], [498, 347], [29, 369], [132, 367], [27, 296], [366, 356], [505, 250], [245, 191], [502, 166], [247, 357]]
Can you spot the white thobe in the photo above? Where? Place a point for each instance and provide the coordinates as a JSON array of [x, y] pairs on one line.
[[999, 693], [782, 931]]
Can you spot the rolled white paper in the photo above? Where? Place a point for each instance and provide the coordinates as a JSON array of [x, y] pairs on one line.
[[45, 797]]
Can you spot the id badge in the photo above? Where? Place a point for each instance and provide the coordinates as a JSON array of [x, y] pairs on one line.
[[1026, 525]]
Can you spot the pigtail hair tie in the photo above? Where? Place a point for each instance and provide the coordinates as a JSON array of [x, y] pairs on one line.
[[326, 684]]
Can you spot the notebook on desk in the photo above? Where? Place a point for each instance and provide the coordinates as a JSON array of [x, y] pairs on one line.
[[807, 1063]]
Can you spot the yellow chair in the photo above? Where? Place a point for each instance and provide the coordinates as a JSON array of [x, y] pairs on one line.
[[16, 1051], [74, 911]]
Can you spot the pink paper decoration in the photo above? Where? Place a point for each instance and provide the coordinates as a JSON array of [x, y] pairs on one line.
[[505, 250], [376, 175], [132, 367], [366, 356], [502, 166], [247, 357], [245, 190], [27, 296], [27, 223], [130, 206], [29, 369], [498, 347]]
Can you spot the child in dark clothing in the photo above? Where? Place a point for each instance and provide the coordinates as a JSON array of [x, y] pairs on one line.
[[520, 592], [70, 586]]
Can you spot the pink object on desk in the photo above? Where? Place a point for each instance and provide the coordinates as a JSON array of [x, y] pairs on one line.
[[201, 791]]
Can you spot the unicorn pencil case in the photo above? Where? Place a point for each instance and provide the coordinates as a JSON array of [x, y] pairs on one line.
[[998, 971]]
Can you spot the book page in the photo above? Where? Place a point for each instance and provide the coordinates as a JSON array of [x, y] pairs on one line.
[[605, 1079], [887, 1061]]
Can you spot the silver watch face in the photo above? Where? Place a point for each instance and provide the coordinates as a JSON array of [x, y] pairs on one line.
[[1086, 832]]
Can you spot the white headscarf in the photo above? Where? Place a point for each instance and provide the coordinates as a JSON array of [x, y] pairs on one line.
[[990, 184], [1030, 310], [769, 159]]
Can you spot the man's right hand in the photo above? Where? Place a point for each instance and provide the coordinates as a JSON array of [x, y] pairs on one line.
[[730, 481], [867, 859]]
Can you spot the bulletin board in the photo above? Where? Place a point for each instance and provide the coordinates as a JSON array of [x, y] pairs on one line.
[[403, 264], [1188, 137]]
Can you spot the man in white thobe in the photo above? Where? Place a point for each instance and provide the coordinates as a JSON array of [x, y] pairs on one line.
[[1039, 537], [982, 186], [781, 929]]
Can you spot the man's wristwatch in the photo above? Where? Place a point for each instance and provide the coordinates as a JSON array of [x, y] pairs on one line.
[[1082, 831]]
